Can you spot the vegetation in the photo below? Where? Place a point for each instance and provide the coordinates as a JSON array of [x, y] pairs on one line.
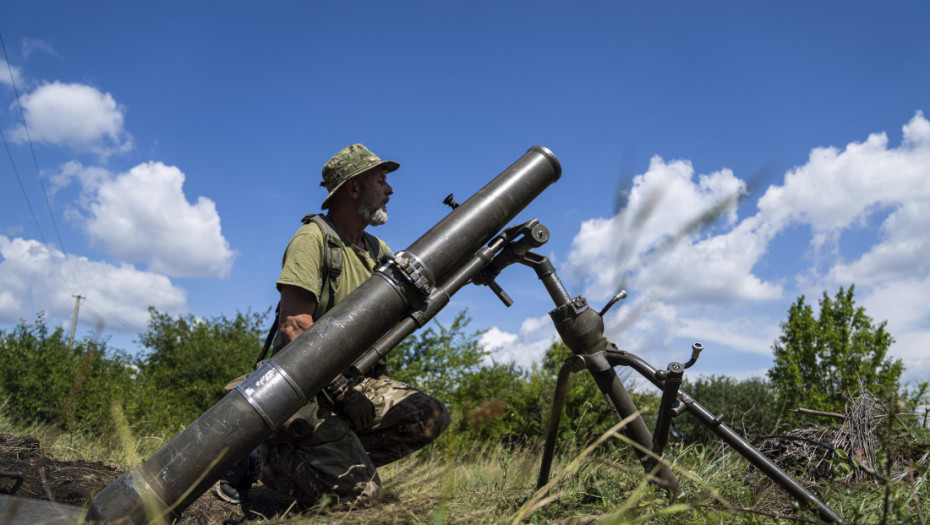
[[187, 363], [749, 406], [113, 407], [486, 482], [43, 380], [180, 375], [820, 360]]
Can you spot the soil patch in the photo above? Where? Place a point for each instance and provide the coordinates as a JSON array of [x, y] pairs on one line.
[[28, 471]]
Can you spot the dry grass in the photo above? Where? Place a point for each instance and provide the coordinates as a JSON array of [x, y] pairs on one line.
[[472, 482]]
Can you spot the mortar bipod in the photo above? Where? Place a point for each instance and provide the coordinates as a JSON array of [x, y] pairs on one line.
[[582, 330], [615, 393]]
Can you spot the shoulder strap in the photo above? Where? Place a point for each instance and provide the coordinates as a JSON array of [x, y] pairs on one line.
[[332, 262], [333, 258], [375, 251], [271, 333], [332, 267]]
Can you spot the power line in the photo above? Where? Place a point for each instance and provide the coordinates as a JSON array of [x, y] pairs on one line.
[[32, 150], [32, 212], [106, 313], [22, 187], [35, 163], [98, 308]]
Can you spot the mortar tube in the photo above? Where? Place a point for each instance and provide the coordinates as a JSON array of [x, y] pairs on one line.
[[166, 484]]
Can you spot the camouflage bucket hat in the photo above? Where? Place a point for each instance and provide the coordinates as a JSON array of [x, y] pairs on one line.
[[350, 162]]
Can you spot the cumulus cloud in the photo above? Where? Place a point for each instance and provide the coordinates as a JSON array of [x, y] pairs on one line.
[[702, 283], [525, 348], [74, 115], [89, 178], [837, 189], [33, 275], [656, 241], [143, 216], [903, 304]]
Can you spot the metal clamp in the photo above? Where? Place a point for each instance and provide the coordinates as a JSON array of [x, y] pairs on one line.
[[270, 390], [413, 270]]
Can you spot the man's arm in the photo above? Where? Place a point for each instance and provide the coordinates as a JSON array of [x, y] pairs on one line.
[[297, 308], [296, 315]]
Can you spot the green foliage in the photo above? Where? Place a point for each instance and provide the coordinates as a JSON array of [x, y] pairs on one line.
[[819, 360], [586, 414], [182, 374], [43, 381], [501, 402], [437, 359], [188, 362], [486, 400], [749, 406]]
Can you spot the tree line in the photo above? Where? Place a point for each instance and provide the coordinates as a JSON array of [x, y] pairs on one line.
[[187, 361]]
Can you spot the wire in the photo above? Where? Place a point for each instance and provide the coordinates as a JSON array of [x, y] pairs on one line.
[[35, 163], [32, 150], [100, 310], [22, 187]]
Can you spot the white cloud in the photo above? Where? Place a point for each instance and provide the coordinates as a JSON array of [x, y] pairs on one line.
[[524, 349], [33, 277], [698, 285], [752, 334], [837, 189], [903, 304], [655, 242], [143, 215], [902, 253], [74, 115], [33, 45], [10, 74], [89, 178]]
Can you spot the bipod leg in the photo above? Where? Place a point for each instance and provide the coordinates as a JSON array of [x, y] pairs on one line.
[[610, 385], [758, 459], [728, 435], [673, 377], [571, 365]]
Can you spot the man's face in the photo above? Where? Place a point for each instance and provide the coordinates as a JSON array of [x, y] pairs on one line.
[[374, 194]]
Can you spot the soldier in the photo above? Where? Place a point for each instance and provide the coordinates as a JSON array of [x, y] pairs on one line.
[[335, 443]]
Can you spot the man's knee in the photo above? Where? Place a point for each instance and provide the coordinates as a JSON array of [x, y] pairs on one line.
[[432, 420], [437, 420]]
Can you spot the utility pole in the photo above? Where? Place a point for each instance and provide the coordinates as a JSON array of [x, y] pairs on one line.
[[77, 303]]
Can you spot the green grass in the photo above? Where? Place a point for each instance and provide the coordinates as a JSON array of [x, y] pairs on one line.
[[491, 484], [471, 482]]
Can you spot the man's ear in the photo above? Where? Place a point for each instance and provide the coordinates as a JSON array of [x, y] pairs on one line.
[[352, 188]]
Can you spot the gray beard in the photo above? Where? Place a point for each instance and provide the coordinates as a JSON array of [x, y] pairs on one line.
[[374, 216]]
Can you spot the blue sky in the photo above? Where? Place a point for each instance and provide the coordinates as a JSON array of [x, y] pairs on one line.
[[179, 144]]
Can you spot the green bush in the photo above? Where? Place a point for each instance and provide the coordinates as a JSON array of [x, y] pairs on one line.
[[819, 360], [42, 380], [187, 363], [749, 406]]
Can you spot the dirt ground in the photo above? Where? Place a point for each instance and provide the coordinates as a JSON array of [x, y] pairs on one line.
[[76, 483]]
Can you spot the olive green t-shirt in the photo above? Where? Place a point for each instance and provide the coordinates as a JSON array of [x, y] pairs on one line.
[[302, 265]]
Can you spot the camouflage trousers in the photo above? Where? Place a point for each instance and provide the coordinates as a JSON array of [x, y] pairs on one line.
[[339, 461]]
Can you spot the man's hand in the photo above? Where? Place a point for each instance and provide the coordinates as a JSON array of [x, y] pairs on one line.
[[296, 311], [357, 408]]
